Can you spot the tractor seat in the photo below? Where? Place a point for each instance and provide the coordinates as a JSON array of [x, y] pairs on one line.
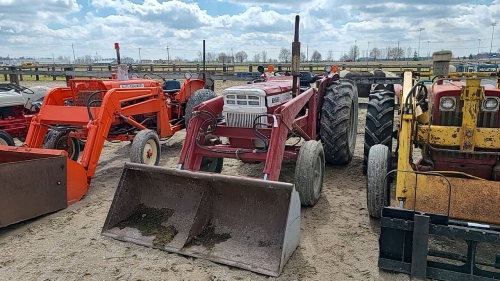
[[171, 87]]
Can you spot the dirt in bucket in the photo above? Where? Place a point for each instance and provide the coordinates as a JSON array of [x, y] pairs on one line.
[[208, 238], [149, 222]]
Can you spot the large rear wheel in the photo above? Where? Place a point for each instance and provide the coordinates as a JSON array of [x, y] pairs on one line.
[[377, 184], [379, 121], [145, 148], [339, 122], [6, 139], [59, 140], [309, 172], [196, 98]]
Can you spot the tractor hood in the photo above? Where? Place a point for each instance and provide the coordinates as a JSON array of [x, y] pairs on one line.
[[14, 97], [11, 98]]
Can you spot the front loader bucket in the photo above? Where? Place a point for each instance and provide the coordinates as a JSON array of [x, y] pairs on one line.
[[247, 223], [32, 183]]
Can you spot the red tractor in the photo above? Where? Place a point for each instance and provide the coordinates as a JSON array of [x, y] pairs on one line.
[[18, 105], [244, 222]]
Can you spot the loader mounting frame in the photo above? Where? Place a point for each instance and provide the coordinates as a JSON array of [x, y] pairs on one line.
[[404, 246]]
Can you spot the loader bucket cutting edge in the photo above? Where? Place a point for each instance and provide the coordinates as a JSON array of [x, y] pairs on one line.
[[33, 183], [247, 223]]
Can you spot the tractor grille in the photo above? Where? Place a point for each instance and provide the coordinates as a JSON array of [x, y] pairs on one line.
[[486, 119], [83, 98], [234, 119]]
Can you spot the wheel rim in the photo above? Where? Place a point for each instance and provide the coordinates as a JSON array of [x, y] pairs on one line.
[[66, 145], [3, 141], [150, 152]]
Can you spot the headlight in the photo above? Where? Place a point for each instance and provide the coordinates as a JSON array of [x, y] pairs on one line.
[[447, 103], [490, 104]]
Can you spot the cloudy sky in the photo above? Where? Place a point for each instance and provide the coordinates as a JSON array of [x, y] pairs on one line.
[[44, 27]]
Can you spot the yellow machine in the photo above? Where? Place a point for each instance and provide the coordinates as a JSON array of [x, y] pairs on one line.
[[452, 192]]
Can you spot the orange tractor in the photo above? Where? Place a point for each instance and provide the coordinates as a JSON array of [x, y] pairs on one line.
[[139, 110]]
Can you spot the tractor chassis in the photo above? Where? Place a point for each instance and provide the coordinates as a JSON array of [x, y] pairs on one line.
[[404, 248]]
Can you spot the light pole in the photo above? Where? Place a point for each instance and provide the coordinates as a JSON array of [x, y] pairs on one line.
[[368, 50], [168, 56], [140, 59], [428, 54], [492, 31], [74, 58], [478, 46], [419, 30], [355, 51]]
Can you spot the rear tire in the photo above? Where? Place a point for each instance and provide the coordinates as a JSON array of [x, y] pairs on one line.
[[379, 121], [377, 184], [145, 148], [309, 172], [59, 140], [6, 139], [339, 122], [196, 99]]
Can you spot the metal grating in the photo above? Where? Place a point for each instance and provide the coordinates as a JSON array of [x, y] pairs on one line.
[[234, 119]]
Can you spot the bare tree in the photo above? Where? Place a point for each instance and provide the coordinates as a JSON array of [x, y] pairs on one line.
[[344, 57], [256, 58], [223, 57], [285, 55], [330, 56], [316, 56], [354, 52], [241, 56], [264, 56], [409, 52], [395, 53], [302, 57], [211, 57], [375, 53]]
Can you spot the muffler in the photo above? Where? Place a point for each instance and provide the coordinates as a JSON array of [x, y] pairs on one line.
[[247, 223]]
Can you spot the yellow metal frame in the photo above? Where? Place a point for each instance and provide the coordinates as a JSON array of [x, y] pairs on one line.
[[469, 198]]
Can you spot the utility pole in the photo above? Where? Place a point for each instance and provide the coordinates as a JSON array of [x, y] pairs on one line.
[[74, 58], [140, 59], [493, 31], [307, 52], [168, 56], [419, 30]]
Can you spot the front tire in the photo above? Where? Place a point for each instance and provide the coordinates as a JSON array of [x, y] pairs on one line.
[[59, 140], [310, 172], [377, 185], [145, 148], [339, 122], [6, 139], [211, 164]]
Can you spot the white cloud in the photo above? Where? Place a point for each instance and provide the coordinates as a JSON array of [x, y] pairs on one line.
[[40, 28]]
